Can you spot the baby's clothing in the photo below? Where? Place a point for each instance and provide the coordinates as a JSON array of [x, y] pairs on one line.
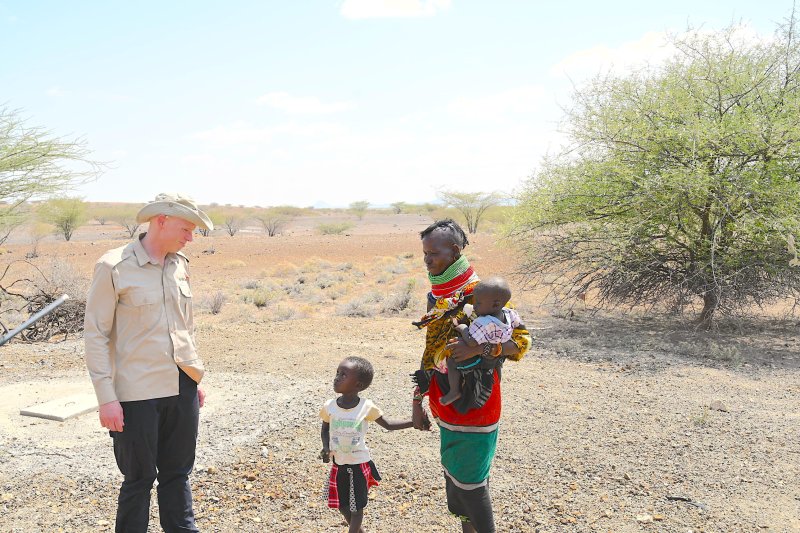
[[489, 329]]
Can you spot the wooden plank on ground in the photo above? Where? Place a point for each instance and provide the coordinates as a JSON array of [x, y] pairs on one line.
[[63, 408]]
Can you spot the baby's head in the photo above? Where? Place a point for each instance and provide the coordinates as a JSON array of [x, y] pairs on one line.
[[353, 375], [490, 296]]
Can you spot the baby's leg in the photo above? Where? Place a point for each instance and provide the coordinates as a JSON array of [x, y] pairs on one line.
[[454, 380]]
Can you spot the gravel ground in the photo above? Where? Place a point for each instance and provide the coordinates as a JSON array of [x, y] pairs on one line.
[[608, 425]]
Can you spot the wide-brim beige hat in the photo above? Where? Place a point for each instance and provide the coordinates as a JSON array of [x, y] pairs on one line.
[[175, 205]]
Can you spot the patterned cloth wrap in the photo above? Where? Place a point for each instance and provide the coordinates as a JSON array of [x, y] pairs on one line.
[[331, 489], [468, 439]]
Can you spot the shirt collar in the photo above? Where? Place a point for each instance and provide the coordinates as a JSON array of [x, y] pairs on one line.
[[141, 254], [143, 257]]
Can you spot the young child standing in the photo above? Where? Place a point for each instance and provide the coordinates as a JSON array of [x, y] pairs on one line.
[[344, 427], [493, 326]]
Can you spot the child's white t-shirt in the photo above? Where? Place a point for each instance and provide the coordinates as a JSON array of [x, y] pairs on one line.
[[348, 427]]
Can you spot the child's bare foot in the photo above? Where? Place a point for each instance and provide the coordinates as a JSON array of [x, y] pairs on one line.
[[450, 397]]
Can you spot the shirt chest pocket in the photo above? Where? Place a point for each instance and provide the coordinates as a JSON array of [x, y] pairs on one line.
[[140, 301]]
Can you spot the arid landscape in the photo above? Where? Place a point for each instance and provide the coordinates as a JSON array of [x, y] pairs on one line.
[[612, 423]]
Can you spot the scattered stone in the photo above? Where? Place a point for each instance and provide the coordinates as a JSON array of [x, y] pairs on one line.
[[717, 405]]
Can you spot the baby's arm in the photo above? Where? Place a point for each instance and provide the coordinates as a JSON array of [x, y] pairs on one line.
[[463, 331], [392, 425], [325, 454]]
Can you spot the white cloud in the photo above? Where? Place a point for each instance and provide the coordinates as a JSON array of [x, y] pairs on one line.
[[365, 9], [242, 133], [653, 48], [513, 101], [55, 92], [302, 105]]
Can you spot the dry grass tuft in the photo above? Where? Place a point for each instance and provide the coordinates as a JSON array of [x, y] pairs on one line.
[[236, 263]]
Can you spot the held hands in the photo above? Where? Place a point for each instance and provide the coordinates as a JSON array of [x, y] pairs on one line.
[[419, 418], [111, 416], [325, 455]]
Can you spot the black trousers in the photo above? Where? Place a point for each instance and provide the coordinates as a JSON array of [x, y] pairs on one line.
[[158, 442]]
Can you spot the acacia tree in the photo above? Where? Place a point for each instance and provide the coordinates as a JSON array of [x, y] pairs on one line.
[[359, 208], [36, 165], [11, 217], [273, 220], [682, 182], [66, 214], [398, 207], [126, 217], [232, 223], [471, 205]]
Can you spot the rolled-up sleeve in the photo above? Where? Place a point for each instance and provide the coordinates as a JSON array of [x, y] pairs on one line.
[[101, 305]]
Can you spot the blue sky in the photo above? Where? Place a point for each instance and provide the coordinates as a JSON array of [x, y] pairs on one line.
[[324, 102]]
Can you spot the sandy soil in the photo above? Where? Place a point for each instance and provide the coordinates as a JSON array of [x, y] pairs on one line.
[[611, 423]]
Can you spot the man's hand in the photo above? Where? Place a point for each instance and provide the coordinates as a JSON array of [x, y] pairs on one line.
[[201, 396], [111, 416], [461, 351], [325, 455]]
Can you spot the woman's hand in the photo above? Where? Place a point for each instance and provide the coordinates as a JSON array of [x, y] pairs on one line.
[[461, 351], [419, 417]]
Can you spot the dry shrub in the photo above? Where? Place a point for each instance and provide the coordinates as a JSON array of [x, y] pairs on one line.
[[358, 307], [336, 293], [316, 298], [284, 312], [250, 284], [34, 289], [296, 288], [334, 228], [215, 302], [326, 280], [284, 269], [366, 305], [396, 268], [315, 264], [398, 301], [236, 263], [566, 346], [261, 297]]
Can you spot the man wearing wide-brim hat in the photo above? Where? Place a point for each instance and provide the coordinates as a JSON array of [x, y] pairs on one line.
[[142, 358]]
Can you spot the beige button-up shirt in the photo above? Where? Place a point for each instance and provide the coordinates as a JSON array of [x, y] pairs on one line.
[[139, 326]]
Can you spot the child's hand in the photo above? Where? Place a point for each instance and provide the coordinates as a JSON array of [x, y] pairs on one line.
[[325, 455]]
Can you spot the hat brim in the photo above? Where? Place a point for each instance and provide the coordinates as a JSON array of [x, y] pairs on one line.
[[174, 209]]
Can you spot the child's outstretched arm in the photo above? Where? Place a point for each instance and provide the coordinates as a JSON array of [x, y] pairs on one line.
[[392, 425], [325, 454]]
